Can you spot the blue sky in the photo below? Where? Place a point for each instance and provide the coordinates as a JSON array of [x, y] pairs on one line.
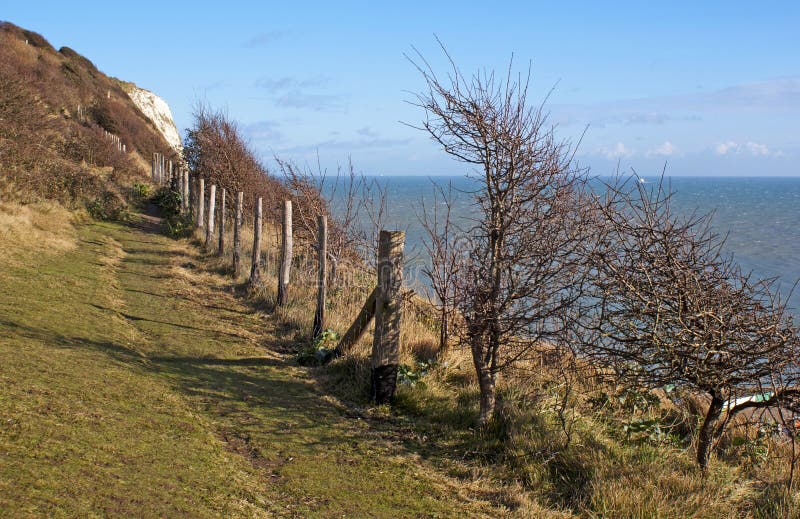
[[709, 88]]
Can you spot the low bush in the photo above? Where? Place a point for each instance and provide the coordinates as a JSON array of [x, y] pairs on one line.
[[169, 201], [110, 205]]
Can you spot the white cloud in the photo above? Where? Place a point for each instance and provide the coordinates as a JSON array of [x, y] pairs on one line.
[[753, 148], [664, 150], [724, 147], [619, 150], [757, 149]]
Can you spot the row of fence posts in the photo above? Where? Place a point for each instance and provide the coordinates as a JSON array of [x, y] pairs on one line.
[[163, 171], [384, 303], [115, 139]]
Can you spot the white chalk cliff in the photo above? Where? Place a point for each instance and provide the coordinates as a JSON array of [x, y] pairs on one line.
[[157, 110]]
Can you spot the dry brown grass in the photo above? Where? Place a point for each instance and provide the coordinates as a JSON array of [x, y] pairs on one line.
[[44, 227]]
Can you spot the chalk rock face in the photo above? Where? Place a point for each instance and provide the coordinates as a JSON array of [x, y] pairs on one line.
[[157, 110]]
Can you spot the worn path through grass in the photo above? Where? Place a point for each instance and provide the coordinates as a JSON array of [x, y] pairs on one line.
[[135, 383]]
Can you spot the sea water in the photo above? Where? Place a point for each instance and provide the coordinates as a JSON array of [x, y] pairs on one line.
[[759, 215]]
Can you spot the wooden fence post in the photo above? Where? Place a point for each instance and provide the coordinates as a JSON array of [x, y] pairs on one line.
[[201, 203], [237, 236], [221, 248], [286, 255], [212, 200], [255, 269], [358, 327], [322, 278], [388, 310]]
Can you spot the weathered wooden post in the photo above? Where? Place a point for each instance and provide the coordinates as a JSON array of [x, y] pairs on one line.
[[237, 236], [255, 269], [358, 327], [212, 200], [286, 254], [322, 278], [388, 310], [201, 202], [221, 248]]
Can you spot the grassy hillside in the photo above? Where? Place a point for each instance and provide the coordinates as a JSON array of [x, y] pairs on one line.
[[55, 107]]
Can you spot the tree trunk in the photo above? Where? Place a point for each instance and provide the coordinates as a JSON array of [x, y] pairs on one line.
[[193, 197], [443, 331], [486, 383], [185, 190], [706, 436], [237, 236]]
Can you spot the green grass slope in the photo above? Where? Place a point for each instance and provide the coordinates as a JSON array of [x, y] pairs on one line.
[[133, 384]]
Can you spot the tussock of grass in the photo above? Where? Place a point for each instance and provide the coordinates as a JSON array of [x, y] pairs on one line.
[[44, 227]]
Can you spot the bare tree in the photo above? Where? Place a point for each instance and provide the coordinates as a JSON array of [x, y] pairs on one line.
[[354, 204], [437, 221], [216, 150], [672, 309], [520, 264]]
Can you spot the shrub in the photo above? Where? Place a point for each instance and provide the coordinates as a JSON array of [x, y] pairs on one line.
[[108, 206], [169, 201], [140, 191], [179, 226]]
